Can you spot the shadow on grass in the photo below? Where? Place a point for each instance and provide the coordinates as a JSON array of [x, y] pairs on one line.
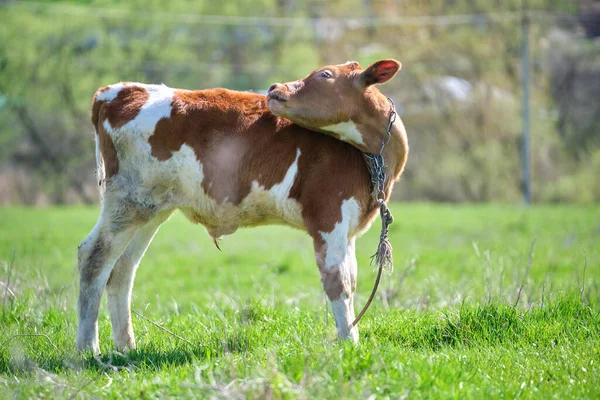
[[148, 358]]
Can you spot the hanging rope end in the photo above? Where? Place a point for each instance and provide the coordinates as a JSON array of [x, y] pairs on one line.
[[383, 259]]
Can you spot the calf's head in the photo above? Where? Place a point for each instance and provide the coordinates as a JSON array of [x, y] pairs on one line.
[[339, 100]]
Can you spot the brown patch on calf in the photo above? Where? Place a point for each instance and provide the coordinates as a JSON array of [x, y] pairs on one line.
[[332, 282], [330, 277], [318, 187], [96, 106], [126, 106], [119, 111], [108, 151]]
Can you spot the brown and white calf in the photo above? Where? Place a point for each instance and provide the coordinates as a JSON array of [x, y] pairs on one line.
[[231, 159]]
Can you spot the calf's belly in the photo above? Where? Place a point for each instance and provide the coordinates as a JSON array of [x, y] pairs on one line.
[[178, 183]]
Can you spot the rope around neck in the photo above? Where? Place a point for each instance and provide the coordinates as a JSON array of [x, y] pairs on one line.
[[383, 257]]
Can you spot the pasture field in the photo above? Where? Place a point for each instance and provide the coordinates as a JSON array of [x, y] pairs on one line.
[[485, 301]]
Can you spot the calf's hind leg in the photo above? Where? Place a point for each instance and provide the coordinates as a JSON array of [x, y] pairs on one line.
[[97, 255], [120, 283]]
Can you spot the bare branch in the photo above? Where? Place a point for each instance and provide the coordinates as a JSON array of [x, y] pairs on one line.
[[30, 335], [162, 327]]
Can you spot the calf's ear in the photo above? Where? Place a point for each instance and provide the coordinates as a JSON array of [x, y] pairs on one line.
[[379, 72]]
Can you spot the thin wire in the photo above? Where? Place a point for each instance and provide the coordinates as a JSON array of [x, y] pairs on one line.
[[261, 21]]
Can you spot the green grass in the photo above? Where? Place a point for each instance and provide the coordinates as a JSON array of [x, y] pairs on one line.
[[448, 323]]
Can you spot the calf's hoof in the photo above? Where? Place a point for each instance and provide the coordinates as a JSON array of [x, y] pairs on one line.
[[351, 335]]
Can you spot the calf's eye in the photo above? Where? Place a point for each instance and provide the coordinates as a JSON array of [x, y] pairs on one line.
[[325, 74]]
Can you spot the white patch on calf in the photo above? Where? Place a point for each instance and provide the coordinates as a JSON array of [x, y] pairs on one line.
[[343, 308], [107, 127], [281, 190], [343, 313], [337, 239], [347, 131], [276, 202], [113, 90], [157, 107], [340, 252]]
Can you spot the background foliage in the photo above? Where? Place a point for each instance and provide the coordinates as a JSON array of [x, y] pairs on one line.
[[459, 90]]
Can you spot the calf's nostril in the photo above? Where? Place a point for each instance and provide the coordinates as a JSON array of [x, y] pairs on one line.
[[273, 87]]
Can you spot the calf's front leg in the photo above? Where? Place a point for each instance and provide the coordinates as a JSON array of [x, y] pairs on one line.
[[336, 259]]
